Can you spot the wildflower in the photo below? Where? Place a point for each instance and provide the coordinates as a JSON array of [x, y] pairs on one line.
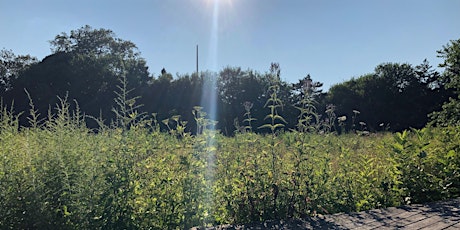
[[342, 118], [356, 112], [176, 118], [197, 108], [365, 133]]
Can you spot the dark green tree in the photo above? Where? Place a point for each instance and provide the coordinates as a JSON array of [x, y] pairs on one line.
[[168, 96], [85, 65], [395, 95], [351, 96], [235, 88], [11, 66]]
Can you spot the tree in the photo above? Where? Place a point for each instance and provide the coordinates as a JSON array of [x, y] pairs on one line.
[[102, 45], [451, 55], [11, 66], [450, 113], [235, 88], [85, 65], [397, 95], [98, 42], [352, 96]]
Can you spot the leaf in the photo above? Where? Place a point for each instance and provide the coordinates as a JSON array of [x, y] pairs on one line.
[[251, 119], [451, 154], [66, 212], [399, 147], [266, 126], [280, 118], [269, 116]]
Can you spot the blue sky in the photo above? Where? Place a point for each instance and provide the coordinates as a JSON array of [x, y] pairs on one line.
[[333, 41]]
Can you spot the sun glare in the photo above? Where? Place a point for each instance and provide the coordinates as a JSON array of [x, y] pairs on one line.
[[222, 3]]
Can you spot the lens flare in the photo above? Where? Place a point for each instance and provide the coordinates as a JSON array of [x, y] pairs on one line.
[[223, 2], [209, 103], [209, 94]]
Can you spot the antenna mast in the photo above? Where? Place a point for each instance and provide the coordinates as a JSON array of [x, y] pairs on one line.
[[197, 60]]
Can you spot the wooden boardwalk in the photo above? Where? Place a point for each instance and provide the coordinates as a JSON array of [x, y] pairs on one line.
[[437, 215]]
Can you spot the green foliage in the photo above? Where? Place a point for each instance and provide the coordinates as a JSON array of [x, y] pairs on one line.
[[248, 118], [86, 65], [89, 41], [64, 175], [451, 55], [87, 62], [309, 118], [235, 88], [450, 113], [126, 109], [410, 93], [11, 67], [274, 103], [428, 162]]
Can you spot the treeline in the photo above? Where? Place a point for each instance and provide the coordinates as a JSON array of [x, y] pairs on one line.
[[88, 64]]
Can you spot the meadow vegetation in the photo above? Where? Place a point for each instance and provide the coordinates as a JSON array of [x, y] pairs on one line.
[[59, 174]]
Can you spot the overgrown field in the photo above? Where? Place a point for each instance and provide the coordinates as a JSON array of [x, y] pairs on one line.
[[62, 175]]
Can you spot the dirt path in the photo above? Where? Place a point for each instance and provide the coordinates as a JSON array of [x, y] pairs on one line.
[[437, 215]]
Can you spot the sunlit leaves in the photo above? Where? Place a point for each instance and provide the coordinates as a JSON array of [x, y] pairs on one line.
[[65, 175]]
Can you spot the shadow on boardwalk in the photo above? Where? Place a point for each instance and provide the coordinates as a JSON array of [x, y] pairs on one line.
[[437, 215]]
